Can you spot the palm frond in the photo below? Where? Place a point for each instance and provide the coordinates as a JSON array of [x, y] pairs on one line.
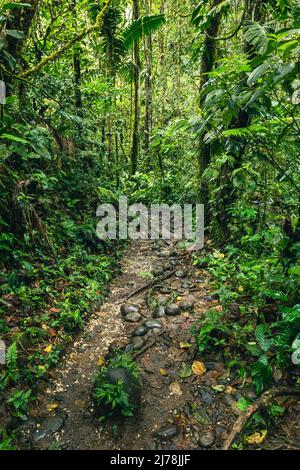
[[144, 26], [256, 35]]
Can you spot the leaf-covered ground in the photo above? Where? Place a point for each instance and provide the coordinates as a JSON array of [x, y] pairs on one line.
[[190, 400]]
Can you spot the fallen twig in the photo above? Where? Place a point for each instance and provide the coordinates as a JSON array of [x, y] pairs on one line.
[[146, 286]]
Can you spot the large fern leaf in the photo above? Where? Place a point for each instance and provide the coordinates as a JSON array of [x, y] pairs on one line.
[[256, 35], [144, 26]]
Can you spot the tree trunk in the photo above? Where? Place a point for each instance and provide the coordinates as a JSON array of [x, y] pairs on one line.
[[227, 196], [207, 65], [136, 124], [148, 88]]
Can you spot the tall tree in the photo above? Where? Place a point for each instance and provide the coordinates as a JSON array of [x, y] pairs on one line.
[[136, 107], [148, 86], [207, 64]]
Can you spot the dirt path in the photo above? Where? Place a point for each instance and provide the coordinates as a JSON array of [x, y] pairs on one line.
[[72, 424], [180, 410]]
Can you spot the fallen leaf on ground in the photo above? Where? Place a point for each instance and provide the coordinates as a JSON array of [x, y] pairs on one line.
[[54, 310], [163, 372], [198, 368], [257, 437], [48, 349], [185, 345], [175, 389], [185, 371], [52, 407], [100, 361]]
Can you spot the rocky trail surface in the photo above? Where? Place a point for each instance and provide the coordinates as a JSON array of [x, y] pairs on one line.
[[186, 403]]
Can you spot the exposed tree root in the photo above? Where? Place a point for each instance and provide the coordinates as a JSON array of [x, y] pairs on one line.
[[260, 404]]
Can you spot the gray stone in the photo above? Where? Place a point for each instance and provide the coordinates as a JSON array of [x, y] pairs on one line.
[[207, 439], [153, 324], [167, 432], [133, 317], [172, 310], [159, 312], [180, 273], [137, 343], [127, 309], [186, 305], [140, 330], [55, 423]]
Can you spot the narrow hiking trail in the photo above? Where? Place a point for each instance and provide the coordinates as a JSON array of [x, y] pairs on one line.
[[180, 410]]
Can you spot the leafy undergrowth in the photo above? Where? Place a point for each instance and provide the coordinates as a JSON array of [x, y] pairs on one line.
[[40, 315], [257, 325]]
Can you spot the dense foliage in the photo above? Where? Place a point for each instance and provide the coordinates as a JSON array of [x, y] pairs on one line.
[[163, 101]]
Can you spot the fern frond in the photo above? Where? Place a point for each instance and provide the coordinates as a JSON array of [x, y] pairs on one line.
[[144, 26]]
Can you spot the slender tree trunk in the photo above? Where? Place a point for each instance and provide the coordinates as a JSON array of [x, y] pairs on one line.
[[148, 88], [207, 65], [21, 19], [163, 77], [136, 124], [77, 80]]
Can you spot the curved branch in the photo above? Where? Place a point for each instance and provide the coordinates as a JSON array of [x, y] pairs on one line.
[[234, 32], [77, 38]]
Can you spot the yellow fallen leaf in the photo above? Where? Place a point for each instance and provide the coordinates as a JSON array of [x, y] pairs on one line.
[[178, 298], [163, 372], [257, 437], [52, 407], [100, 361], [185, 345], [48, 349], [240, 289], [198, 368]]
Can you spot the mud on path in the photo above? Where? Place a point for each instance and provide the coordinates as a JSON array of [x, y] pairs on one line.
[[179, 410]]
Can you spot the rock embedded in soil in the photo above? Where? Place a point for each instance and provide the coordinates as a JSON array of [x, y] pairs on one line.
[[55, 423], [180, 273], [133, 317], [172, 310], [207, 439], [152, 324], [140, 330], [187, 305], [128, 309], [159, 312], [167, 432], [137, 343]]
